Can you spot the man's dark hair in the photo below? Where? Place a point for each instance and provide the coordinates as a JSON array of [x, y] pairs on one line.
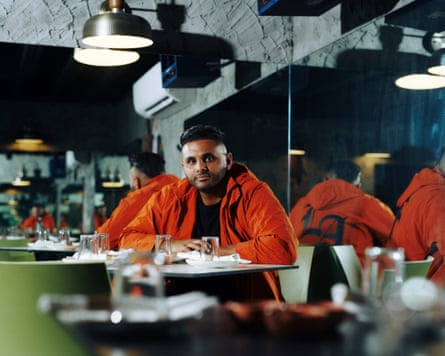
[[201, 132], [345, 169], [151, 164]]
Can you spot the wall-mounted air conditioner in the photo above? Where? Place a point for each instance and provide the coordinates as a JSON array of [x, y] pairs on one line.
[[149, 97]]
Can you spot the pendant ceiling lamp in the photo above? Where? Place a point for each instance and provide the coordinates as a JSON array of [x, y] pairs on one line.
[[435, 78], [102, 57], [28, 136], [116, 28]]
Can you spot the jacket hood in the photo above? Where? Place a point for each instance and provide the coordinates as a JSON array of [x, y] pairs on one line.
[[332, 191], [426, 178]]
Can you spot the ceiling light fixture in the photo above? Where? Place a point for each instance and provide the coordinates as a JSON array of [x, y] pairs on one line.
[[378, 155], [101, 57], [297, 152], [28, 137], [20, 180], [420, 82], [113, 181], [116, 28], [435, 43]]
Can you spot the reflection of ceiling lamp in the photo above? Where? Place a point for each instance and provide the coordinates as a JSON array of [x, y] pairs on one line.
[[13, 202], [433, 42], [20, 180], [378, 155], [297, 152], [102, 57], [28, 137], [111, 181], [115, 27], [420, 82]]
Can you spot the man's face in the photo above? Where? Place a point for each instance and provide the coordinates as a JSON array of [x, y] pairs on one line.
[[205, 163]]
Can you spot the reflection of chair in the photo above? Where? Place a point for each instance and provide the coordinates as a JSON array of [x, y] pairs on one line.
[[417, 268], [15, 255], [320, 267], [24, 329]]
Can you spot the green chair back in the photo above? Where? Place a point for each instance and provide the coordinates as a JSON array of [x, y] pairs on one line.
[[24, 329], [417, 268], [15, 255], [320, 267]]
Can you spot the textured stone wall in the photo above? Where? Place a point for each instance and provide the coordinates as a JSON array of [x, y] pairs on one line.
[[277, 39]]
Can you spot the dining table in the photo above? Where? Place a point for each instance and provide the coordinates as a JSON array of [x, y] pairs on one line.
[[45, 252], [216, 331], [242, 281]]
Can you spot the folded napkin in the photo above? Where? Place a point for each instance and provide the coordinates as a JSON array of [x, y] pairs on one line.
[[50, 245], [195, 255]]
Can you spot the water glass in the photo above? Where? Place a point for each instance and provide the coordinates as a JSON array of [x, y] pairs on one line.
[[163, 250], [383, 272], [138, 283], [209, 248], [64, 236], [104, 243], [89, 246], [42, 235]]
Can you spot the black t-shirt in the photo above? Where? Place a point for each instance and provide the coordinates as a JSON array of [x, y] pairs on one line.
[[207, 219]]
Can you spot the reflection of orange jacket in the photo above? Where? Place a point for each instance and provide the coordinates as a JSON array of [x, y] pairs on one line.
[[47, 221], [130, 205], [421, 225], [336, 212], [250, 217], [98, 220]]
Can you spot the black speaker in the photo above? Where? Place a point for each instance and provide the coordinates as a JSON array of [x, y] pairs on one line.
[[294, 7], [188, 72]]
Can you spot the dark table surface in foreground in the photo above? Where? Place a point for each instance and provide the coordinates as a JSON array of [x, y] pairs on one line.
[[216, 333]]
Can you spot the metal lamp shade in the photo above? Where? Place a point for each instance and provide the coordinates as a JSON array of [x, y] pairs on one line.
[[117, 30]]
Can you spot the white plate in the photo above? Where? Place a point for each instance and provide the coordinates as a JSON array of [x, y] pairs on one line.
[[75, 260], [212, 264]]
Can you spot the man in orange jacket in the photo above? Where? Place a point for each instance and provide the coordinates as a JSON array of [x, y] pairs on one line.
[[222, 198], [147, 176], [337, 212], [38, 213], [420, 220]]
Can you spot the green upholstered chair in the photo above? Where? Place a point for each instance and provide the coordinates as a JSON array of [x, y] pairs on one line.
[[24, 329], [15, 255], [320, 267], [417, 268]]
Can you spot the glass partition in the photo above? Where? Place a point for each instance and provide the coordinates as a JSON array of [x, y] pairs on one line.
[[345, 105]]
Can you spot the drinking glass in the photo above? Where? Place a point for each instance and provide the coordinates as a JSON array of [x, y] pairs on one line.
[[210, 248], [64, 236], [89, 246], [42, 235], [138, 283], [163, 250], [383, 272], [104, 243]]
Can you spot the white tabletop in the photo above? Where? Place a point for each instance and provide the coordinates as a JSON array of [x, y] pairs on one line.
[[183, 270]]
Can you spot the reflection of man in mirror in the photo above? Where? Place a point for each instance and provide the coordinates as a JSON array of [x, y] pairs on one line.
[[420, 220], [100, 215], [147, 175], [337, 212], [38, 213]]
